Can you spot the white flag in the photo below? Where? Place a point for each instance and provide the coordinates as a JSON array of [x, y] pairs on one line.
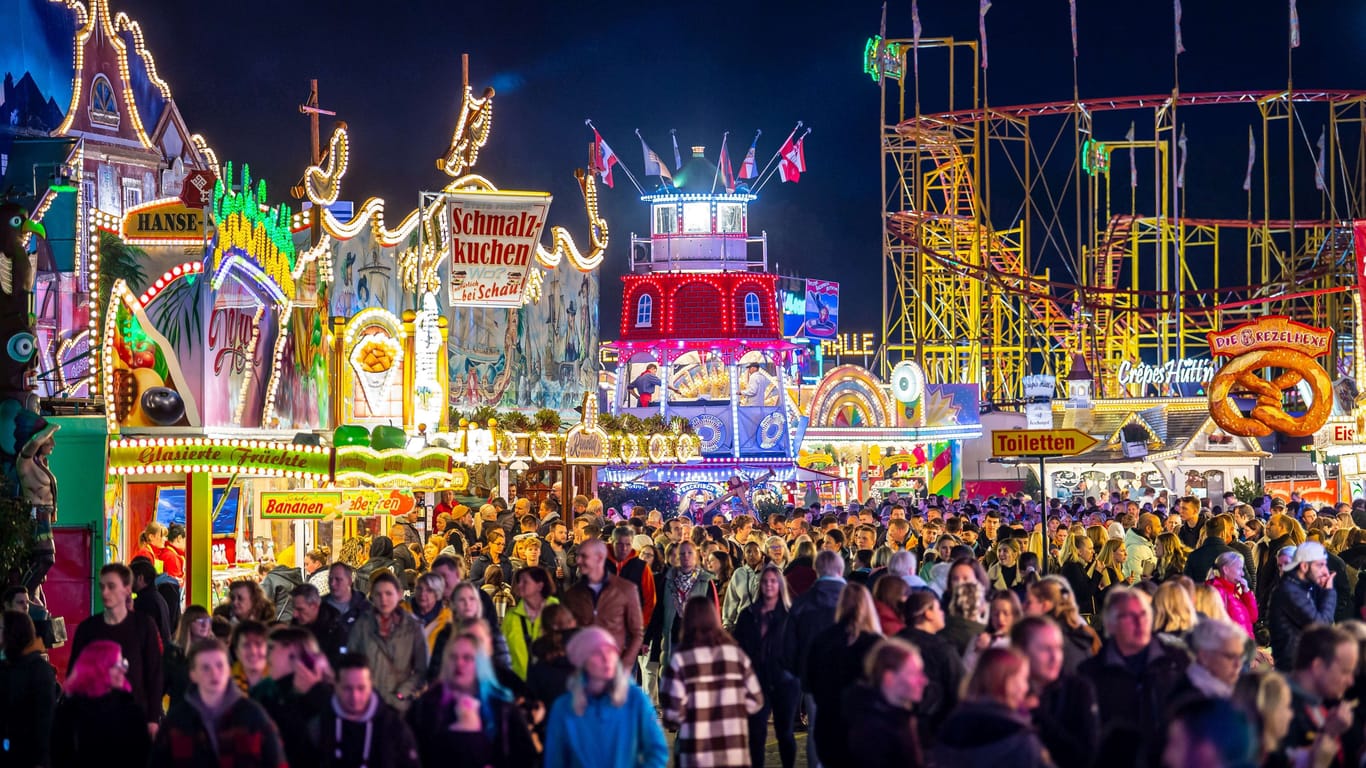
[[1073, 10], [1133, 162], [1177, 10], [1251, 159], [1294, 25], [915, 34], [982, 8], [1320, 165], [1181, 170]]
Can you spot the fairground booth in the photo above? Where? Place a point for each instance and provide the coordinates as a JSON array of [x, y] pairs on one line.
[[286, 380]]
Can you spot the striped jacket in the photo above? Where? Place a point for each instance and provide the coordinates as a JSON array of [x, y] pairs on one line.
[[709, 694]]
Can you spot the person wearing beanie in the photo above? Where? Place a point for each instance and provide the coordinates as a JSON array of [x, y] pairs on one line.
[[358, 730], [604, 720]]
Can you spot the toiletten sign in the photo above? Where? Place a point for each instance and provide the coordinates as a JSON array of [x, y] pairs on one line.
[[492, 239]]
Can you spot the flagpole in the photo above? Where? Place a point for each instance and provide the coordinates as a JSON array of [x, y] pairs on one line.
[[774, 172], [1293, 43], [714, 176], [620, 161], [762, 179]]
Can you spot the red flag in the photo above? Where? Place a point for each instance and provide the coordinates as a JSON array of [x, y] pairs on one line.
[[793, 162], [727, 173], [603, 158]]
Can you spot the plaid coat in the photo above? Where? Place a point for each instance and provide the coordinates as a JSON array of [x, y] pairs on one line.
[[709, 694]]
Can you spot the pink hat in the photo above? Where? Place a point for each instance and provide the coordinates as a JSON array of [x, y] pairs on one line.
[[586, 642]]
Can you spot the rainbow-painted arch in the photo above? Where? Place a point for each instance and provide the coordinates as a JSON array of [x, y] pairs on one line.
[[851, 396]]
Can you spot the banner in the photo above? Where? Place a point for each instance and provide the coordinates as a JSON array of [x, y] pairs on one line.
[[318, 504], [217, 456], [492, 240], [822, 309], [792, 305]]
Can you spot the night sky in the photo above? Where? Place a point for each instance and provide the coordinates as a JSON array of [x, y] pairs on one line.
[[392, 70]]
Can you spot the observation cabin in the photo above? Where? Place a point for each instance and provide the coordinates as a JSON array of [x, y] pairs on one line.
[[700, 305]]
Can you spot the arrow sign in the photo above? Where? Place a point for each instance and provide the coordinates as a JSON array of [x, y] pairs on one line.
[[1040, 442]]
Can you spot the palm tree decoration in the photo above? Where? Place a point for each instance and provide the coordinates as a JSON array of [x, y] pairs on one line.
[[119, 261]]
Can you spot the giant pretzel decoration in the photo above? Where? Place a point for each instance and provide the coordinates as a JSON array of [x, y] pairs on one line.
[[1268, 416]]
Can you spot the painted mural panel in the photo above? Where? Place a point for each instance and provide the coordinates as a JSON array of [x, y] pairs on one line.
[[540, 356], [365, 275]]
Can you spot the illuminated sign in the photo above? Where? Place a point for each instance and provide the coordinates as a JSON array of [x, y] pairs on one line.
[[127, 457], [1272, 342], [1183, 371], [850, 344], [164, 220], [398, 465], [1040, 442], [1275, 331], [493, 237], [319, 504]]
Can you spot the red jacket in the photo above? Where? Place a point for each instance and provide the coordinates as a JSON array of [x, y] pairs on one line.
[[890, 618], [1240, 603], [635, 570], [172, 562]]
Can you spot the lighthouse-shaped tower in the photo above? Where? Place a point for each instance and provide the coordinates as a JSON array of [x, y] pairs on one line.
[[700, 305]]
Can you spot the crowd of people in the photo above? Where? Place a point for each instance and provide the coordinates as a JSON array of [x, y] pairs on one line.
[[1190, 633]]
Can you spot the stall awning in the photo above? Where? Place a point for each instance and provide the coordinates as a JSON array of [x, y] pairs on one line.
[[714, 473]]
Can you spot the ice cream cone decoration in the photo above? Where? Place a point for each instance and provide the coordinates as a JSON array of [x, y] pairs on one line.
[[375, 360]]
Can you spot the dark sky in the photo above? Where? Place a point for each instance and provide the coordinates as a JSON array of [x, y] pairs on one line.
[[392, 71]]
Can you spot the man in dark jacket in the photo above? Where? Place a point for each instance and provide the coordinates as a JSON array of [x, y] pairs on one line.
[[148, 601], [1306, 596], [135, 634], [1323, 670], [622, 560], [1191, 520], [349, 603], [323, 620], [1268, 572], [810, 614], [1218, 532], [1134, 675], [358, 729]]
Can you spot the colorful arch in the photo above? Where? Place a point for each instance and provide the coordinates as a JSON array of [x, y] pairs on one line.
[[851, 396]]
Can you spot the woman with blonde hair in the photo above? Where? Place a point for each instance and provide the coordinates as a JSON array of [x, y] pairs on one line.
[[1171, 556], [1077, 560], [1107, 570], [1051, 596], [428, 607], [1266, 698], [835, 663], [1173, 612]]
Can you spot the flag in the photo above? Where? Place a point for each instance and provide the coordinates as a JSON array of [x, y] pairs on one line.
[[793, 162], [1320, 165], [750, 167], [915, 33], [982, 7], [1181, 169], [1133, 162], [1073, 9], [1177, 10], [727, 174], [653, 165], [603, 158], [1251, 159], [678, 159], [1294, 25]]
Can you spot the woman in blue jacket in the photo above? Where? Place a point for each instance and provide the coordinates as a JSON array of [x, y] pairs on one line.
[[605, 720]]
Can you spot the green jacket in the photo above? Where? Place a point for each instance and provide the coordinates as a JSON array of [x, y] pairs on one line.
[[521, 632]]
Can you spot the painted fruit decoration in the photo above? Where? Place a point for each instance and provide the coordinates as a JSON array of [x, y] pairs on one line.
[[143, 395]]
